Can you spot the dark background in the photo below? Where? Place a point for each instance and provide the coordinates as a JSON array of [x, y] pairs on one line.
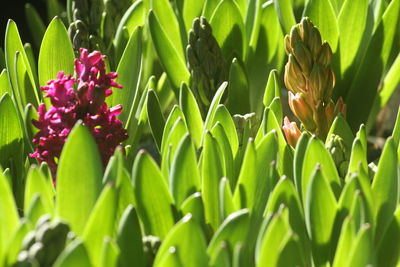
[[15, 10]]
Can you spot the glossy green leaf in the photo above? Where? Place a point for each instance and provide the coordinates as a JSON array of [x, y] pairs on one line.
[[171, 258], [363, 91], [354, 13], [238, 97], [223, 116], [133, 17], [75, 254], [25, 91], [11, 46], [341, 127], [169, 23], [211, 173], [320, 212], [385, 187], [226, 153], [184, 177], [266, 54], [276, 107], [221, 256], [362, 249], [191, 10], [358, 156], [284, 9], [36, 209], [129, 239], [299, 153], [209, 122], [110, 253], [273, 239], [229, 30], [187, 237], [76, 196], [155, 116], [190, 108], [316, 153], [172, 59], [389, 248], [36, 183], [155, 205], [14, 243], [323, 16], [209, 8], [5, 86], [35, 24], [100, 224], [194, 205], [225, 198], [129, 69], [32, 61], [173, 116], [396, 130], [345, 243], [233, 230], [8, 214], [51, 61]]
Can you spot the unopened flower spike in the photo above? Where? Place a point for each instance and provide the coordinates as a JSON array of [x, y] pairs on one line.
[[86, 103], [310, 79]]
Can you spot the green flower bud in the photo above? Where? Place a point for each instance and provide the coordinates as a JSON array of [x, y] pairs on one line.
[[340, 154]]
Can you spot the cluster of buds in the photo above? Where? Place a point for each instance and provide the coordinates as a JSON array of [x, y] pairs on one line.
[[86, 103], [43, 245], [340, 153], [310, 79], [206, 62]]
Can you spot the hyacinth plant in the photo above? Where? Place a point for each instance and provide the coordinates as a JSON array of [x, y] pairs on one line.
[[85, 104], [209, 172]]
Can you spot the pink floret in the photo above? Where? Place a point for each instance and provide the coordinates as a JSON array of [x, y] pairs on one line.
[[85, 103]]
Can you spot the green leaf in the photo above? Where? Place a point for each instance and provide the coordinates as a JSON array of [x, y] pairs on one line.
[[273, 239], [35, 209], [229, 30], [266, 54], [129, 239], [129, 69], [385, 188], [175, 115], [238, 97], [75, 254], [194, 205], [133, 17], [8, 214], [169, 23], [211, 173], [226, 205], [35, 24], [188, 238], [276, 107], [320, 212], [36, 183], [15, 241], [171, 258], [352, 13], [233, 230], [32, 61], [284, 9], [76, 196], [51, 61], [389, 86], [190, 108], [226, 153], [100, 223], [316, 153], [110, 253], [25, 90], [396, 130], [342, 128], [172, 59], [323, 16], [12, 45], [155, 116], [272, 90], [345, 243], [5, 86], [209, 122], [191, 10], [184, 176], [155, 205], [223, 116], [389, 248], [221, 256], [363, 91], [358, 157], [299, 154], [362, 249]]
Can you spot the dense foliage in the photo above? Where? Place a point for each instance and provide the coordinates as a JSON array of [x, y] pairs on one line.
[[209, 170]]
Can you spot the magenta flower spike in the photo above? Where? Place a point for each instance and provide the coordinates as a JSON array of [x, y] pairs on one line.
[[86, 103]]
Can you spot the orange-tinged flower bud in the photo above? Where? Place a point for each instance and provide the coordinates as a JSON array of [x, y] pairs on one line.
[[302, 110], [340, 107], [291, 131]]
